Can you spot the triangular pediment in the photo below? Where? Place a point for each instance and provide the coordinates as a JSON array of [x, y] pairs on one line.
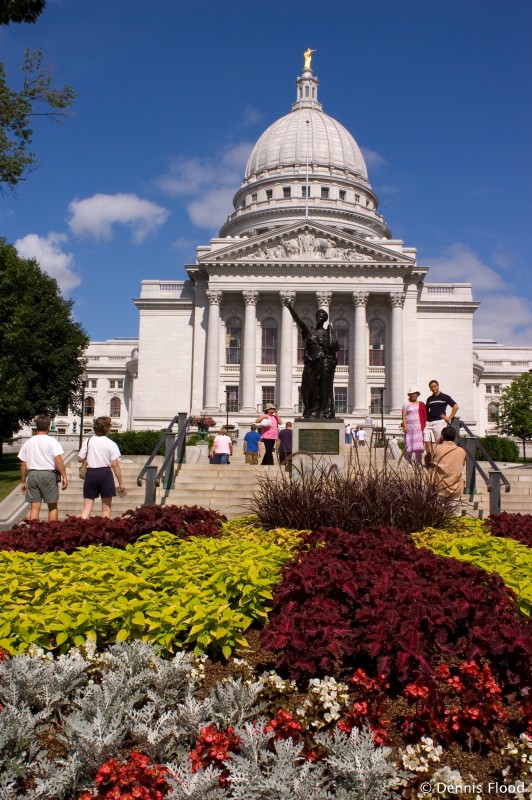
[[303, 242]]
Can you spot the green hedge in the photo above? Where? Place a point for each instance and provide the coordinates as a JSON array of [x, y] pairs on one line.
[[499, 448], [137, 443]]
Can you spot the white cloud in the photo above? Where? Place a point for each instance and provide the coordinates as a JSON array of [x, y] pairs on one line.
[[96, 215], [209, 184], [502, 315], [460, 264], [50, 257], [373, 159]]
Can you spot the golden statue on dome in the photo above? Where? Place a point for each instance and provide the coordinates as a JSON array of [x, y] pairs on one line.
[[307, 55]]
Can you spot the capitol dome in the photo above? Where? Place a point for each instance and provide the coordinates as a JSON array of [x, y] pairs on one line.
[[306, 130], [306, 165]]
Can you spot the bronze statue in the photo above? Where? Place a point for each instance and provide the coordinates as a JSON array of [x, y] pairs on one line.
[[321, 346]]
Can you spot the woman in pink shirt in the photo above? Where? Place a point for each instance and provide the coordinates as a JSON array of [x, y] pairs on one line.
[[269, 432]]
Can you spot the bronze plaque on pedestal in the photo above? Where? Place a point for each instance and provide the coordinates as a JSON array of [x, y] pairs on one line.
[[320, 441]]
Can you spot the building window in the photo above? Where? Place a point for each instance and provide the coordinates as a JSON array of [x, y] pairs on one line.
[[269, 341], [340, 399], [342, 194], [375, 403], [120, 384], [376, 343], [306, 91], [497, 388], [269, 194], [493, 412], [342, 334], [233, 341], [304, 192], [93, 383], [231, 393], [254, 197], [357, 198], [268, 395], [115, 407], [287, 192], [89, 407], [324, 192], [489, 388], [61, 431], [301, 343]]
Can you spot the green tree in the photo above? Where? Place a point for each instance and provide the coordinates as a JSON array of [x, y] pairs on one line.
[[37, 97], [515, 409], [41, 347], [20, 10]]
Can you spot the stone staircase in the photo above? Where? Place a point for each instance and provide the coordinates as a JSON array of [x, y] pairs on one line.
[[517, 501]]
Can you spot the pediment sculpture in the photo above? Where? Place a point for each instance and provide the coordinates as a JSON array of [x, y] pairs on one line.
[[307, 246]]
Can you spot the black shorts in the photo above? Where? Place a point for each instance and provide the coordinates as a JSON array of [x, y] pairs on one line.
[[99, 482]]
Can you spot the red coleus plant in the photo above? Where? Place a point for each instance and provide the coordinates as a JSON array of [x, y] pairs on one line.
[[373, 600], [135, 779], [462, 705], [214, 748], [44, 537], [513, 526], [368, 707]]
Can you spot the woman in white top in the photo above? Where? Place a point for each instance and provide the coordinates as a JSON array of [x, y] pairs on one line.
[[102, 456], [222, 448]]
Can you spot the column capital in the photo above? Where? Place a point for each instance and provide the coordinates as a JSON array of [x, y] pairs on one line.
[[360, 298], [324, 298], [396, 299], [214, 296], [287, 294], [250, 297]]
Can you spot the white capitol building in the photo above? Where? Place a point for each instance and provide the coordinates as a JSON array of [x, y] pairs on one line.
[[306, 227]]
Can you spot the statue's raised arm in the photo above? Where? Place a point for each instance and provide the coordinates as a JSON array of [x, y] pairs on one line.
[[299, 322]]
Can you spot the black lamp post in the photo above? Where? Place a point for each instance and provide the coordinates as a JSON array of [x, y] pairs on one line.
[[227, 393], [382, 390], [83, 377]]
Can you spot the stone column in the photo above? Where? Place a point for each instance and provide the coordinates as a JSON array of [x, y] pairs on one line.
[[212, 360], [359, 378], [249, 353], [396, 372], [286, 407], [324, 300]]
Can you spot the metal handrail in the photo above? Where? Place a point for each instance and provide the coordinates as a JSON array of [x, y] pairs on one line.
[[486, 455], [166, 467], [156, 449]]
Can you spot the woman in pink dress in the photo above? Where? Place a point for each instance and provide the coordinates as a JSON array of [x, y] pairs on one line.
[[414, 421]]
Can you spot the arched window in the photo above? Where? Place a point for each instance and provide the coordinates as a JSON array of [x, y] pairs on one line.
[[493, 412], [233, 341], [115, 407], [88, 410], [342, 334], [301, 343], [376, 343], [269, 341]]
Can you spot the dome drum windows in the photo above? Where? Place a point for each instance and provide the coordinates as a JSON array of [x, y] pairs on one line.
[[325, 192], [287, 192]]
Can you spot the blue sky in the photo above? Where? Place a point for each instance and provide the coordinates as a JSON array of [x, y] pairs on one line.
[[173, 94]]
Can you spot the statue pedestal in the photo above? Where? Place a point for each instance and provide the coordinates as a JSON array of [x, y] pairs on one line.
[[318, 441]]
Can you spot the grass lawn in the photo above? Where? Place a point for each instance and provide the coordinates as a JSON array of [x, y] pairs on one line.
[[9, 474]]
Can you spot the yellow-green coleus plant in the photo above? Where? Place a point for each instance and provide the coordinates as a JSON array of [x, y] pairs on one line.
[[202, 593]]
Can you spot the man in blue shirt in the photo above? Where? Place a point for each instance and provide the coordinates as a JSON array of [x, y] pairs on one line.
[[251, 445], [437, 419]]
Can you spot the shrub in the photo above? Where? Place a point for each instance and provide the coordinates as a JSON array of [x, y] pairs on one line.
[[138, 443], [499, 448], [74, 532], [514, 526], [202, 593], [511, 560], [376, 602], [407, 500]]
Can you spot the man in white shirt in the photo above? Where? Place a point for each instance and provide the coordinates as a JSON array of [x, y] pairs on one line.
[[40, 460]]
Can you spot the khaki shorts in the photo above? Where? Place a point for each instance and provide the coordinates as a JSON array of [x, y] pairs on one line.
[[433, 430], [41, 486], [252, 458]]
